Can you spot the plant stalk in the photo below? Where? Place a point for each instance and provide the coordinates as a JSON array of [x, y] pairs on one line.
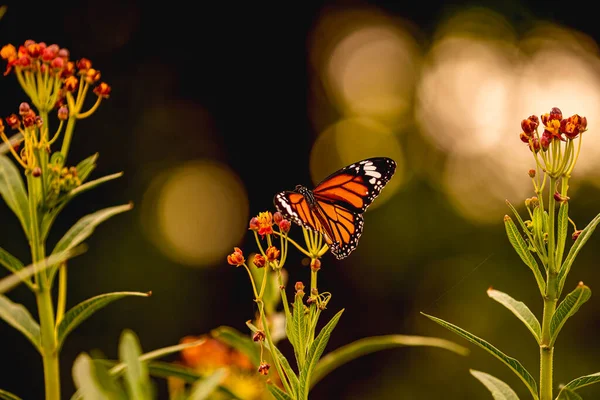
[[44, 298]]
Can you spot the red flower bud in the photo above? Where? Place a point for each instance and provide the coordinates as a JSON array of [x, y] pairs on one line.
[[531, 173], [259, 261], [63, 113], [236, 258], [524, 136], [37, 172], [57, 64], [535, 145], [277, 217], [13, 121], [83, 65], [285, 226], [102, 90], [253, 225], [299, 287], [530, 124], [576, 234], [546, 140], [272, 253], [24, 109], [555, 113], [315, 264]]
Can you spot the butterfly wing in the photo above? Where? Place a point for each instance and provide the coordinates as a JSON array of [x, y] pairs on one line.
[[294, 207], [345, 195]]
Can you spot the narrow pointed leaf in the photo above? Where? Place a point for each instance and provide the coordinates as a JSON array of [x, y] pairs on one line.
[[567, 308], [522, 224], [4, 395], [562, 230], [17, 316], [277, 393], [566, 394], [13, 264], [204, 388], [510, 362], [136, 374], [577, 246], [499, 389], [86, 309], [361, 347], [86, 225], [13, 192], [49, 217], [300, 325], [314, 354], [238, 341], [582, 381], [522, 250], [84, 376], [22, 275], [86, 166], [520, 310]]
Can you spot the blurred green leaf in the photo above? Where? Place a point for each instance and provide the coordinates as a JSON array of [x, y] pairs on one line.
[[278, 393], [17, 316], [513, 364], [499, 389], [581, 240], [4, 395], [314, 355], [522, 250], [566, 394], [50, 216], [300, 326], [85, 227], [84, 376], [108, 382], [520, 310], [562, 230], [238, 341], [202, 389], [567, 308], [86, 166], [580, 382], [12, 190], [22, 275], [538, 226], [136, 374], [13, 264], [86, 309], [361, 347]]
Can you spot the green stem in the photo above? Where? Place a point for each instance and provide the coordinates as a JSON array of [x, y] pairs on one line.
[[551, 223], [44, 299], [67, 138], [62, 293], [263, 317]]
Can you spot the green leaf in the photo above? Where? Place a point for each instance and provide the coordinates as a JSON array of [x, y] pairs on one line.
[[13, 264], [566, 394], [580, 382], [314, 354], [522, 250], [513, 364], [581, 240], [300, 327], [50, 216], [108, 382], [87, 308], [13, 192], [17, 316], [85, 227], [361, 347], [238, 341], [520, 310], [569, 306], [278, 393], [499, 389], [562, 230], [136, 374], [204, 388], [24, 274], [84, 376], [4, 395], [86, 166]]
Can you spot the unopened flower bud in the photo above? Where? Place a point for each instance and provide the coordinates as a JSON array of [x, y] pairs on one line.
[[555, 113], [576, 234], [37, 172], [534, 146], [277, 217], [315, 264], [299, 287], [531, 173], [259, 336], [285, 226], [560, 198], [254, 225], [545, 140], [24, 109], [13, 121], [84, 64], [63, 113]]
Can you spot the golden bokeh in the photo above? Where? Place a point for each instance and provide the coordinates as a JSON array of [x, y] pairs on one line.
[[354, 139], [367, 63], [199, 211]]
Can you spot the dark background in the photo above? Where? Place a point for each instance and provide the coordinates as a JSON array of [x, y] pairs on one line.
[[247, 66]]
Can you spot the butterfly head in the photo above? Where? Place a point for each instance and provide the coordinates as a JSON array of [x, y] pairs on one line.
[[307, 193]]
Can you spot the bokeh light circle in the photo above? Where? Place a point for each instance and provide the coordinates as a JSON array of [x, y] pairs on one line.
[[354, 139], [196, 213]]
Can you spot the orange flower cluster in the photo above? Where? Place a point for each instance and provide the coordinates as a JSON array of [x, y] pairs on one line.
[[555, 128]]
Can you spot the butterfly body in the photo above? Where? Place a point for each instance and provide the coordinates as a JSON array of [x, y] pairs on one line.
[[335, 206]]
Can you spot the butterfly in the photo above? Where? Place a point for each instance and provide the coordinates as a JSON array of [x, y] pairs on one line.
[[336, 205]]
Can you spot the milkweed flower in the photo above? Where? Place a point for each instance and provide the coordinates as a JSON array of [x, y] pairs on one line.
[[236, 258], [272, 253], [264, 220]]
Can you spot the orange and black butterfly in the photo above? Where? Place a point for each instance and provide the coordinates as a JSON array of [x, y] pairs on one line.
[[336, 205]]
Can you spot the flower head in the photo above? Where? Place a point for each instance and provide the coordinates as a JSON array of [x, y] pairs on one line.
[[573, 126], [258, 261], [265, 223], [236, 258], [263, 368], [272, 253]]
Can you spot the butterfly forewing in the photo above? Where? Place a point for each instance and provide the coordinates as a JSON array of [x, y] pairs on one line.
[[295, 208]]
